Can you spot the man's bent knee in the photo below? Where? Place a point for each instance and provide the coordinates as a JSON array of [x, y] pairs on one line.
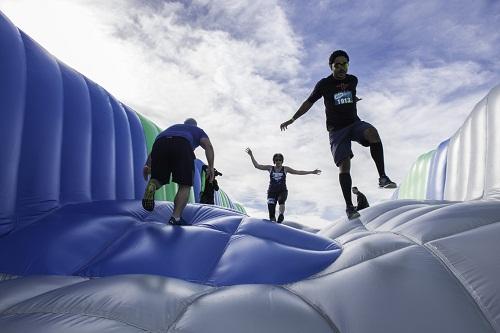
[[371, 135]]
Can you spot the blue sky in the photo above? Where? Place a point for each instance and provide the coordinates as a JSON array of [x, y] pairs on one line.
[[243, 67]]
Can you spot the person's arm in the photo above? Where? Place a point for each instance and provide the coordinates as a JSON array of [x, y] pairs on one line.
[[306, 106], [210, 154], [255, 163], [146, 171], [300, 172]]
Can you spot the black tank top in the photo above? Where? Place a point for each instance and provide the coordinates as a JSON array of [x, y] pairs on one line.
[[277, 180]]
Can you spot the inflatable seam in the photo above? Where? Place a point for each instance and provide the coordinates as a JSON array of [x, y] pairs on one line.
[[451, 272], [315, 308], [106, 247], [83, 314], [210, 275], [378, 255], [470, 292], [193, 300]]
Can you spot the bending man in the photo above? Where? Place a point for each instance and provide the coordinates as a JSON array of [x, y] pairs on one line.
[[173, 154]]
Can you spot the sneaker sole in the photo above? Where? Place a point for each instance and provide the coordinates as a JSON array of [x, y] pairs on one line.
[[148, 201], [353, 216], [393, 185]]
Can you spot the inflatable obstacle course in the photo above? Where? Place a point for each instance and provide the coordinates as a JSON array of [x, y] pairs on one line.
[[79, 254]]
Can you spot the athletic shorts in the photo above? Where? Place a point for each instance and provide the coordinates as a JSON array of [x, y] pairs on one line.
[[340, 140], [172, 156], [280, 197]]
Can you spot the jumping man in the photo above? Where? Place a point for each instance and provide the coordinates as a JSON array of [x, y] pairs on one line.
[[343, 124]]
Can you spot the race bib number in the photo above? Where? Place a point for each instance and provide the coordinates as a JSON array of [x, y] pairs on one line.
[[343, 97]]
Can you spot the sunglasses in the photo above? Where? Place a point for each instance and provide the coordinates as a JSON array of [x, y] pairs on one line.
[[343, 64]]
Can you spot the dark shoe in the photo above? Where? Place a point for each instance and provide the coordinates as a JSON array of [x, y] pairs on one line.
[[272, 219], [148, 200], [173, 221], [385, 182], [351, 212], [280, 218]]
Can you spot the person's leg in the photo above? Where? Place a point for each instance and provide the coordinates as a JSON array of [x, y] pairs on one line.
[[281, 200], [180, 201], [377, 152], [160, 173], [346, 184], [271, 205], [368, 136], [345, 180], [376, 149], [182, 173], [281, 215], [282, 208], [340, 146]]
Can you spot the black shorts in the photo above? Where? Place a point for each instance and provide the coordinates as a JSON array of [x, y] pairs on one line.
[[340, 140], [172, 156], [279, 197]]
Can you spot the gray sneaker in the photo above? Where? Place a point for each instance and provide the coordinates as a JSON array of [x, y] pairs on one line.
[[385, 182]]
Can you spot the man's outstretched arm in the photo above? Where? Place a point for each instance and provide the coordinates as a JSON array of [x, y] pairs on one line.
[[210, 155], [302, 110]]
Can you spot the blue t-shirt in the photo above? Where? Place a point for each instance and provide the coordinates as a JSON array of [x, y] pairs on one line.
[[190, 132]]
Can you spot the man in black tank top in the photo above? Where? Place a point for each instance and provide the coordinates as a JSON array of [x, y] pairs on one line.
[[343, 124], [277, 191]]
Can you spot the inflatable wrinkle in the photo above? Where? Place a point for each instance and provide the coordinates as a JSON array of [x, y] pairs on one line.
[[478, 148], [76, 133], [103, 145], [38, 187], [12, 100], [437, 173], [139, 150], [492, 172], [124, 164]]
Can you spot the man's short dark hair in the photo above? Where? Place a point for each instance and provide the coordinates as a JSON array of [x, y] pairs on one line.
[[354, 187], [335, 54], [190, 121]]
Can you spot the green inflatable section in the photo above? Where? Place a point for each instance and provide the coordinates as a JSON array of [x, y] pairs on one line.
[[415, 184], [239, 208]]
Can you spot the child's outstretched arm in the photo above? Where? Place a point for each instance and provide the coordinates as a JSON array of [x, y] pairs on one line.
[[301, 172], [255, 163]]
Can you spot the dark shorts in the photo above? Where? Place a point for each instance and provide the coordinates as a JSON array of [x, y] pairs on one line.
[[172, 156], [340, 140], [279, 197]]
